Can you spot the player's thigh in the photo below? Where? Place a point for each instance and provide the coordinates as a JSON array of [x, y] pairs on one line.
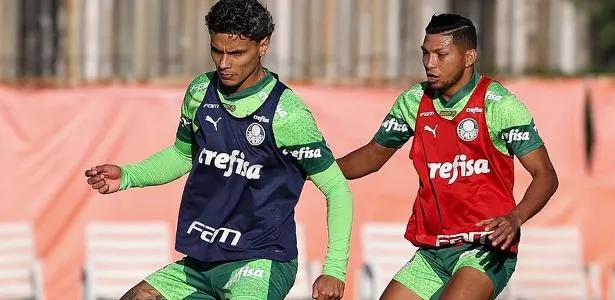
[[260, 279], [468, 284], [182, 279], [421, 278], [480, 273], [398, 291], [142, 291]]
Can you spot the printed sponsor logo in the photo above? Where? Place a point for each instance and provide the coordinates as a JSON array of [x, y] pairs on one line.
[[493, 96], [261, 119], [459, 167], [515, 135], [210, 234], [303, 152], [392, 124], [470, 237], [233, 163], [244, 272], [213, 122], [432, 130]]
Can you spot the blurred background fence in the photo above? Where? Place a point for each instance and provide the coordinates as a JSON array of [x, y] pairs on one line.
[[343, 41]]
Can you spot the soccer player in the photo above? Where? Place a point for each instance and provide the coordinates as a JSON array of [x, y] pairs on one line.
[[249, 144], [467, 128]]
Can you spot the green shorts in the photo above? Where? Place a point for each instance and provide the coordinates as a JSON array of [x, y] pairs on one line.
[[251, 279], [427, 273]]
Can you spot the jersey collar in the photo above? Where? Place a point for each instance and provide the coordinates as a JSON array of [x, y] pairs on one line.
[[464, 91]]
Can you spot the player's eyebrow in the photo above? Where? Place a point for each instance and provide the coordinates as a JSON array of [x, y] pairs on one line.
[[213, 47], [434, 50], [237, 50]]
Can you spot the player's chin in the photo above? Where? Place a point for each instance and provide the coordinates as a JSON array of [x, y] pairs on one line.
[[229, 82], [435, 85]]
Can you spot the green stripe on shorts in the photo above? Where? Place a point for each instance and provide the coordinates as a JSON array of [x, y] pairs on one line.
[[420, 276], [171, 280], [427, 273]]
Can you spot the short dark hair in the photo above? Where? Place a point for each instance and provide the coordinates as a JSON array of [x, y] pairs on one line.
[[247, 18], [461, 28]]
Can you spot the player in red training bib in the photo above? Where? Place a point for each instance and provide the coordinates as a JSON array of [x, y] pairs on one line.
[[467, 129]]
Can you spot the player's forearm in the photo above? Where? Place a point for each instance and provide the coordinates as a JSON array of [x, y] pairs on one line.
[[164, 166], [365, 160], [339, 220], [358, 163], [543, 186]]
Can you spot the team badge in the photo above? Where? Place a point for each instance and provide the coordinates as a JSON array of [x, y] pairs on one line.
[[255, 134], [467, 129]]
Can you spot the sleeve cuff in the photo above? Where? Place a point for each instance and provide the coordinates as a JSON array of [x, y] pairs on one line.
[[124, 178]]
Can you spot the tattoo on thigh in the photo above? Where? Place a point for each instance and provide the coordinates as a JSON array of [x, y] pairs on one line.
[[142, 291]]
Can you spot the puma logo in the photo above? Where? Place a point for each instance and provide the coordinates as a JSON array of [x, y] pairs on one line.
[[215, 123], [432, 130], [185, 122]]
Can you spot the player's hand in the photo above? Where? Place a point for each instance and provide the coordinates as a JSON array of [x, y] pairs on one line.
[[104, 178], [327, 288], [505, 229]]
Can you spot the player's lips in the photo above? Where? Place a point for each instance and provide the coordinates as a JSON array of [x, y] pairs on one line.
[[226, 75], [432, 78]]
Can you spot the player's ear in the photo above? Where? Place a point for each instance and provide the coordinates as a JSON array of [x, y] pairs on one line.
[[263, 46], [470, 57]]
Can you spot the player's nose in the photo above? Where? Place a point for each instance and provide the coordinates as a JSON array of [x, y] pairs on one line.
[[431, 63]]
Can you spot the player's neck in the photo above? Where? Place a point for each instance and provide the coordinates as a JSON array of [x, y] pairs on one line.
[[463, 81]]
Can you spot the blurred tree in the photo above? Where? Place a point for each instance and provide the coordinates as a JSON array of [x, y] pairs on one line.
[[39, 38], [602, 32]]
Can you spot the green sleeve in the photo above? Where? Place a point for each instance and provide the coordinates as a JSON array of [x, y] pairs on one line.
[[511, 124], [172, 162], [334, 186], [192, 100], [297, 135], [164, 166], [398, 126]]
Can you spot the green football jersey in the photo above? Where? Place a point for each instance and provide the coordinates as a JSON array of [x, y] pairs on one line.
[[510, 125]]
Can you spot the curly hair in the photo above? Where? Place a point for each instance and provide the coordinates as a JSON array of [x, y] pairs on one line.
[[247, 18]]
